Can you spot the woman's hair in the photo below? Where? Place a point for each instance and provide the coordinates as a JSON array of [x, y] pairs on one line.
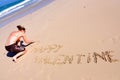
[[20, 27]]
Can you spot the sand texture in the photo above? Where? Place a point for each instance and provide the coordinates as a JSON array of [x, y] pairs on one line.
[[75, 40]]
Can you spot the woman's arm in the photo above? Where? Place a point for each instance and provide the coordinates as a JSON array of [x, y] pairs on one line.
[[26, 39]]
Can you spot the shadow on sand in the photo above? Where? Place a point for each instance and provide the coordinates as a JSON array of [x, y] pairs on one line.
[[10, 54]]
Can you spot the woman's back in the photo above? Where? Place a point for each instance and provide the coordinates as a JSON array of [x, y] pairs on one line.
[[14, 37]]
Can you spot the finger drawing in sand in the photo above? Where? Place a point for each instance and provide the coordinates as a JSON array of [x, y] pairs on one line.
[[14, 43]]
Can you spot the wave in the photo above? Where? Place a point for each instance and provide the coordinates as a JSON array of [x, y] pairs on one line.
[[17, 7]]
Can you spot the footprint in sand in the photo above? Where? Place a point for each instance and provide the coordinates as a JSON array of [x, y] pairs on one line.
[[113, 40]]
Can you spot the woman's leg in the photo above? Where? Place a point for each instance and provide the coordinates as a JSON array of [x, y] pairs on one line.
[[19, 54]]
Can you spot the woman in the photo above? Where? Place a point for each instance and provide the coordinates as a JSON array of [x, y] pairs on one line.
[[13, 40]]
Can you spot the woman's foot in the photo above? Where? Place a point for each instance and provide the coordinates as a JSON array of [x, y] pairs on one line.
[[14, 59]]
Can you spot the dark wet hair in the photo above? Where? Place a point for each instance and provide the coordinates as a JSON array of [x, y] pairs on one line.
[[20, 27]]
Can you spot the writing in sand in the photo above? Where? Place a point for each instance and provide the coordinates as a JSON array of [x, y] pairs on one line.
[[94, 57], [67, 58]]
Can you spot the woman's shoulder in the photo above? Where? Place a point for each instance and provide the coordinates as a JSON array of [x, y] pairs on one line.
[[18, 33], [21, 33]]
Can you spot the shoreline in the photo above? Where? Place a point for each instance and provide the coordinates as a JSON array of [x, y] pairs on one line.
[[23, 12]]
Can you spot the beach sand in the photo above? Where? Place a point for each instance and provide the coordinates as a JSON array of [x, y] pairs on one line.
[[75, 40]]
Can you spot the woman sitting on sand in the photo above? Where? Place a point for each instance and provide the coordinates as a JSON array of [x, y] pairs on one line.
[[13, 40]]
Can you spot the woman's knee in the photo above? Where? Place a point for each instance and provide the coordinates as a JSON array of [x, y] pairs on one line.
[[25, 51]]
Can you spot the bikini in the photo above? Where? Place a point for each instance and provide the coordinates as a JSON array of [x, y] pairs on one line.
[[14, 48]]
